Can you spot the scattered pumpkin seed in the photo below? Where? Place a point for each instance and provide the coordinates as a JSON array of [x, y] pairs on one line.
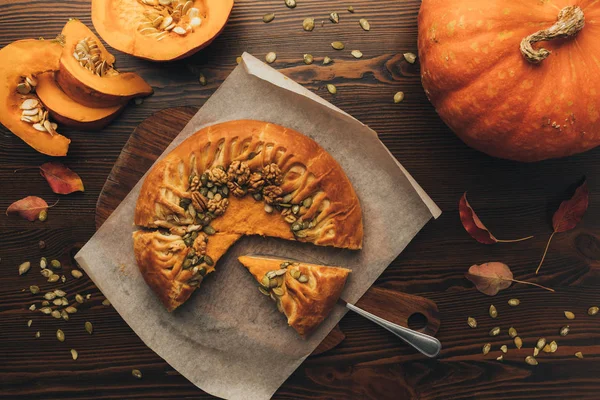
[[53, 278], [74, 354], [63, 278], [500, 357], [303, 279], [472, 322], [290, 3], [593, 310], [338, 45], [46, 273], [564, 331], [398, 97], [76, 273], [44, 214], [46, 310], [106, 302], [493, 312], [536, 351], [64, 315], [351, 9], [495, 331], [268, 18], [136, 373], [43, 262], [540, 343], [531, 360], [88, 296], [553, 346], [514, 302], [60, 335], [308, 59], [24, 267], [356, 53], [512, 332], [334, 17], [327, 60], [263, 291], [278, 291], [209, 230], [55, 264], [88, 327], [50, 296], [55, 314], [308, 24], [579, 355], [518, 342], [569, 315], [331, 88], [364, 24], [38, 334], [410, 58], [32, 307], [29, 323], [202, 79], [71, 310], [547, 349], [238, 60], [486, 348], [34, 289], [60, 293], [504, 348], [57, 302]]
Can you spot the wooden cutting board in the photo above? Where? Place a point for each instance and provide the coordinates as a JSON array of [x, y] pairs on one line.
[[153, 136]]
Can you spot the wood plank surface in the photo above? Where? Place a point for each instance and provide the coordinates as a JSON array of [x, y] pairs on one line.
[[513, 199]]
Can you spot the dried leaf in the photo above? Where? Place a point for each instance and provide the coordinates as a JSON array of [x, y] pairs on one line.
[[475, 227], [492, 277], [61, 179], [569, 214], [28, 208]]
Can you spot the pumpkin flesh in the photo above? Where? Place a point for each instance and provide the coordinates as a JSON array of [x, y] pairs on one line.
[[29, 57], [90, 89], [494, 99], [117, 22]]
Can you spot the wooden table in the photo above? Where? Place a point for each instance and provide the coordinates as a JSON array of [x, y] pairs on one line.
[[514, 200]]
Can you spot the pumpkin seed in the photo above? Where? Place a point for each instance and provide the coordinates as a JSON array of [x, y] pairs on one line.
[[263, 291], [57, 302], [31, 81], [71, 310], [512, 332], [209, 230], [356, 54], [32, 307], [39, 127], [410, 58], [540, 343], [500, 357], [76, 273], [45, 303], [43, 262], [268, 208], [74, 354], [34, 289], [518, 342], [63, 279], [46, 310], [593, 310], [307, 202], [296, 273], [88, 327], [486, 348], [29, 104], [55, 314], [546, 348], [331, 88], [338, 45], [238, 60], [208, 260], [55, 264], [303, 279], [29, 323], [64, 315], [326, 60], [202, 80], [46, 273], [569, 315], [24, 267], [50, 296], [364, 24], [504, 348], [106, 302], [60, 293], [536, 351], [514, 302], [268, 18], [38, 334], [495, 331], [266, 281], [579, 355], [351, 9], [308, 24], [334, 17], [493, 312], [472, 322], [553, 346], [136, 373], [278, 291], [564, 331], [271, 57], [398, 97], [531, 360], [308, 59], [290, 3], [23, 88], [44, 214]]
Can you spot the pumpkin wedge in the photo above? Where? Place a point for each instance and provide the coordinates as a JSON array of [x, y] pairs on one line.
[[160, 30], [21, 111], [68, 112], [86, 73]]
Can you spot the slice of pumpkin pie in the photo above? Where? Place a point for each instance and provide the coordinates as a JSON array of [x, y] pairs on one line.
[[304, 293]]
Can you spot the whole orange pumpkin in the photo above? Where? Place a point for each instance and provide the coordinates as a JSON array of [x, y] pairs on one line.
[[516, 79]]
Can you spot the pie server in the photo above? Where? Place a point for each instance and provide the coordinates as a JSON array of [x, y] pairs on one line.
[[425, 344]]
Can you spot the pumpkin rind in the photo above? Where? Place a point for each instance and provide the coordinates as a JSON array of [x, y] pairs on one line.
[[87, 88], [491, 97], [18, 59], [116, 22], [67, 112]]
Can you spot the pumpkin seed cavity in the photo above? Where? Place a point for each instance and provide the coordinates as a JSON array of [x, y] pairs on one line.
[[32, 110], [172, 16], [88, 54]]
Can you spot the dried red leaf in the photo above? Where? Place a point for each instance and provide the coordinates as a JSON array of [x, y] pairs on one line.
[[61, 179], [475, 227], [490, 278], [568, 216], [570, 213], [28, 208]]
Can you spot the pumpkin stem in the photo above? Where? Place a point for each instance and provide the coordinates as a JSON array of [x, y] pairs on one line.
[[570, 21]]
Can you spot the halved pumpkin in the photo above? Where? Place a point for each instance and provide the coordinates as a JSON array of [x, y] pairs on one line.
[[67, 112], [160, 30], [20, 60], [86, 72]]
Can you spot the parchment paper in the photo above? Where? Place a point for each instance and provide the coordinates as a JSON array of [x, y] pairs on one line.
[[228, 339]]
